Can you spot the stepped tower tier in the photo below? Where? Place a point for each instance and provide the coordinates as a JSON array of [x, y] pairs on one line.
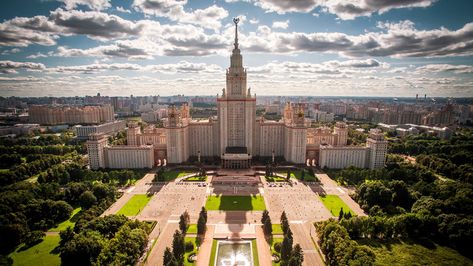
[[236, 112]]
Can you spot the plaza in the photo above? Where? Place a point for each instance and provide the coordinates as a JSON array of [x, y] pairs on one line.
[[234, 210]]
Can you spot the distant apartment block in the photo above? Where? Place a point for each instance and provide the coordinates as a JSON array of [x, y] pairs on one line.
[[70, 114]]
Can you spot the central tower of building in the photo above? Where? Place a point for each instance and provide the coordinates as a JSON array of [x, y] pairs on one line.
[[236, 110]]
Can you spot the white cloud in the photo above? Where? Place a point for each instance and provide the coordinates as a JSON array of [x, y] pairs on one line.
[[122, 9], [10, 51], [254, 21], [280, 24], [435, 68], [344, 9], [10, 67], [209, 17], [395, 40], [93, 4], [37, 55]]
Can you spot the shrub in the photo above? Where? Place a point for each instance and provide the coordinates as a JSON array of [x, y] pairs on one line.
[[277, 247], [189, 246]]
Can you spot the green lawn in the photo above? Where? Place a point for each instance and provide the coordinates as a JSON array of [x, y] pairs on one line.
[[196, 179], [235, 203], [307, 177], [277, 230], [186, 255], [173, 174], [395, 252], [213, 252], [275, 179], [39, 254], [333, 203], [254, 248], [192, 229], [135, 205], [298, 174], [68, 223]]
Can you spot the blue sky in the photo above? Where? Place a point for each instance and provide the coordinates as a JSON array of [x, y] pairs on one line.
[[168, 47]]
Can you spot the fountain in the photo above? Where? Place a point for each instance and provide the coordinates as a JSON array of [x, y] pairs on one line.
[[234, 253]]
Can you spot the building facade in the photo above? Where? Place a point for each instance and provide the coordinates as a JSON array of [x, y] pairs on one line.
[[83, 132]]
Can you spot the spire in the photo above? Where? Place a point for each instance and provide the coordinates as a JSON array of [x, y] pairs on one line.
[[236, 20]]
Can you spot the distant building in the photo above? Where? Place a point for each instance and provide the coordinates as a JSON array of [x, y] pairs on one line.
[[321, 116], [109, 128], [19, 129], [70, 114]]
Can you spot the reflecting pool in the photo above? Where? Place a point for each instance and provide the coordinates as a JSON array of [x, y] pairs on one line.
[[234, 253]]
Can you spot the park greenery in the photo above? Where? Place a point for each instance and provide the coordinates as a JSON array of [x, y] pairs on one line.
[[426, 200], [46, 186], [109, 240]]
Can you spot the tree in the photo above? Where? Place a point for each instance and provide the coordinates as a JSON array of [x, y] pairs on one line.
[[340, 214], [87, 199], [284, 222], [201, 226], [34, 238], [159, 177], [203, 212], [184, 221], [178, 248], [297, 256], [264, 216], [83, 249], [168, 258], [268, 227], [286, 246]]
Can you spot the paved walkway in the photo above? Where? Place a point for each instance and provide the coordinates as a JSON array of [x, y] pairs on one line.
[[203, 258], [165, 240], [264, 254]]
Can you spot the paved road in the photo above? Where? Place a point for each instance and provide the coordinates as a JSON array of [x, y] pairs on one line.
[[302, 236]]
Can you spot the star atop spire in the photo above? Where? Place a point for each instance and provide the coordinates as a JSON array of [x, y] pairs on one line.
[[236, 20]]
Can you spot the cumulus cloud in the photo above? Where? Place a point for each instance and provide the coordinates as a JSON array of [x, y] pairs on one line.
[[209, 17], [122, 49], [93, 4], [395, 40], [96, 25], [459, 69], [180, 67], [11, 67], [23, 31], [122, 9], [333, 67], [10, 51], [281, 24], [344, 9]]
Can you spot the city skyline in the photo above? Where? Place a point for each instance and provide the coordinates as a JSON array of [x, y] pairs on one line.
[[332, 48]]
